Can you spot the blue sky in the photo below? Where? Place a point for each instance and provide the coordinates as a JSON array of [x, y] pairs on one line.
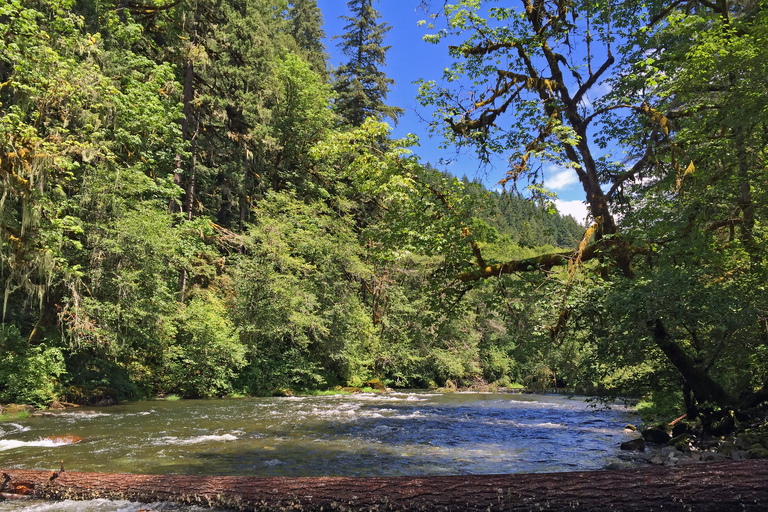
[[409, 59]]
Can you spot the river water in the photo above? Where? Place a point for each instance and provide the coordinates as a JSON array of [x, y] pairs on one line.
[[399, 433]]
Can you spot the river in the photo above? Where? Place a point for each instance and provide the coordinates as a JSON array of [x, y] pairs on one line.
[[399, 433]]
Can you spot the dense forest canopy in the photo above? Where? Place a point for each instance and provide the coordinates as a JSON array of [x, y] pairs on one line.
[[193, 203]]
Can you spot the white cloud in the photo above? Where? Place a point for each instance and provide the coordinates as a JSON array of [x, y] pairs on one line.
[[557, 178], [578, 209]]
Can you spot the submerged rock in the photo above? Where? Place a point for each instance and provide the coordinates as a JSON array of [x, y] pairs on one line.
[[63, 438]]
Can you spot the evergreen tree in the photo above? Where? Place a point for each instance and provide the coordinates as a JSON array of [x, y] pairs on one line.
[[306, 27], [360, 84]]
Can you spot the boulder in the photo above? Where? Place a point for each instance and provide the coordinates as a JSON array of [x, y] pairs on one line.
[[739, 454], [56, 405], [18, 409], [656, 435], [44, 414], [63, 438], [375, 384], [680, 429], [681, 442], [667, 451], [106, 402], [634, 445], [747, 440], [713, 457]]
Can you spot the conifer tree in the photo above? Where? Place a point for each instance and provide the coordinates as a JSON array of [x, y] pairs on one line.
[[360, 84], [306, 27]]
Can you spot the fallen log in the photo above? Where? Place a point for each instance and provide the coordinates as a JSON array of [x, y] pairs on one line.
[[716, 487]]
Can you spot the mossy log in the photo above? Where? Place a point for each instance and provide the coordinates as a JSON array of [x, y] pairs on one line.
[[717, 487]]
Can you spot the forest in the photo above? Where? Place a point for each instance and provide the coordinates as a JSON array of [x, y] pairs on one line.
[[193, 202]]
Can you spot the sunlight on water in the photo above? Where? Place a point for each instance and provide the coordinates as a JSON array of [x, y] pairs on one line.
[[393, 434]]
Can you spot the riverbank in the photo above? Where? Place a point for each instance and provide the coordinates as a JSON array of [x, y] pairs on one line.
[[684, 442]]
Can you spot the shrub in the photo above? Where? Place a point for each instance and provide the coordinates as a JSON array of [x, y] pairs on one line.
[[28, 374]]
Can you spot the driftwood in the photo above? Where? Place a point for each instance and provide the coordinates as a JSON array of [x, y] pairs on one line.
[[727, 486]]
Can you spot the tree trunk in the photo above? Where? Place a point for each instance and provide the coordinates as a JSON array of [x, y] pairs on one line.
[[704, 388], [716, 487]]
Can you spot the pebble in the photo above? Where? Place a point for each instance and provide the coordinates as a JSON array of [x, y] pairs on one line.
[[669, 456]]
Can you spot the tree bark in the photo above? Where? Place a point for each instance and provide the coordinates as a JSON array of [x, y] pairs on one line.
[[713, 487], [704, 387]]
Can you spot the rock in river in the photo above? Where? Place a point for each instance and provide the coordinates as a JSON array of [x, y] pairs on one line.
[[634, 445]]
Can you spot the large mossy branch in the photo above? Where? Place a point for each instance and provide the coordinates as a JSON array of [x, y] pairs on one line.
[[616, 247], [543, 262]]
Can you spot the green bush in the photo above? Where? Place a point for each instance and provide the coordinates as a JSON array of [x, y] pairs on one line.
[[207, 353], [28, 374]]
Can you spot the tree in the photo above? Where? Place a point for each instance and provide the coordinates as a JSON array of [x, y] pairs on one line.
[[703, 487], [532, 93], [360, 84], [306, 26], [702, 202]]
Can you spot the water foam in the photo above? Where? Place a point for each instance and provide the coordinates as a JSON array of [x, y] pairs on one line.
[[11, 444], [198, 439]]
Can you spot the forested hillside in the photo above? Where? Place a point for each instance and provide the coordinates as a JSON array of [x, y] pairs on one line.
[[188, 207], [194, 203]]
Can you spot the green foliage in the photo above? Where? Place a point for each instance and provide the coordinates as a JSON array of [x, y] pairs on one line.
[[28, 374], [181, 211], [299, 310], [206, 354], [660, 406], [361, 85], [306, 27]]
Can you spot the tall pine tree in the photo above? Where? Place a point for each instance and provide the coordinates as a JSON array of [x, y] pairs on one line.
[[360, 84], [306, 27]]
